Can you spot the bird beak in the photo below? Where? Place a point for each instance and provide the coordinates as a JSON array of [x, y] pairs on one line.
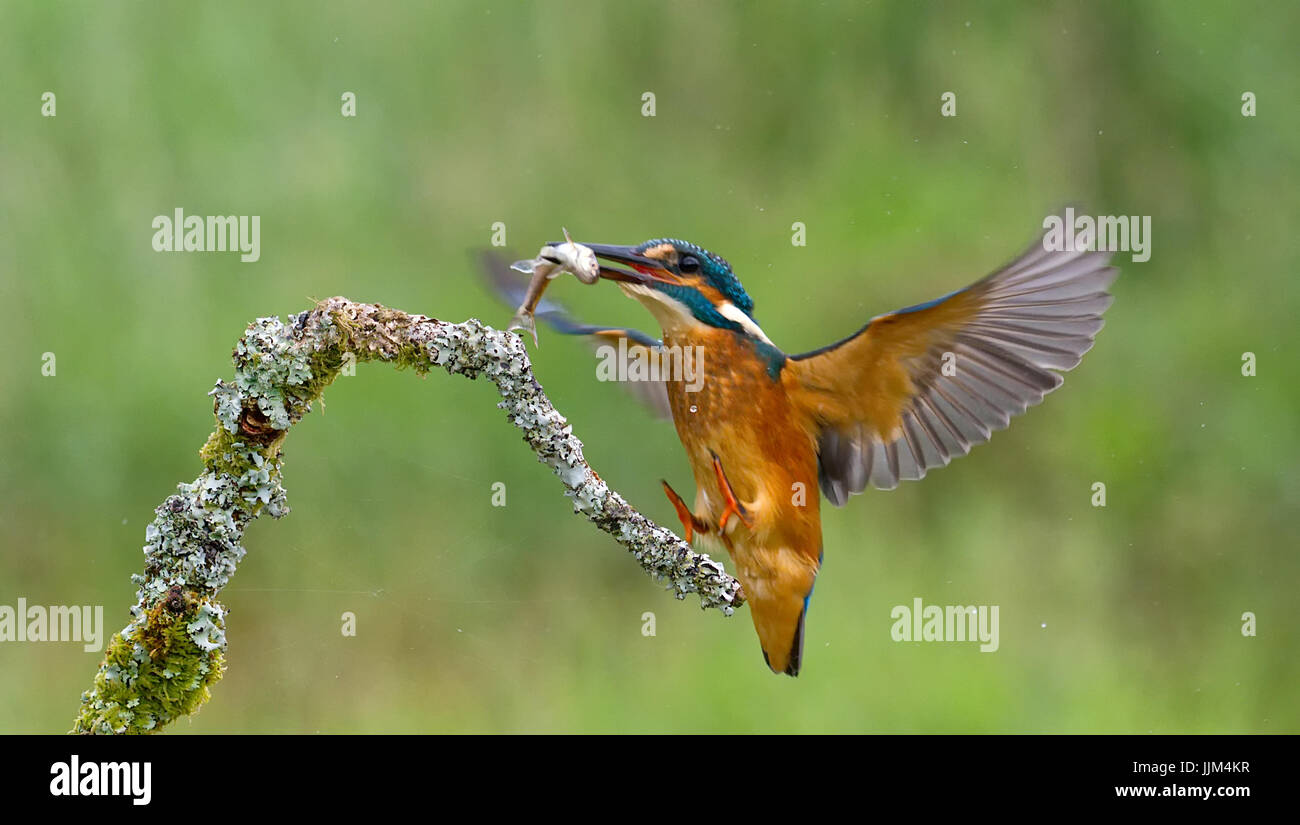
[[643, 270]]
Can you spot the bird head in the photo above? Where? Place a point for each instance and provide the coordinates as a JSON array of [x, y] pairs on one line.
[[680, 283]]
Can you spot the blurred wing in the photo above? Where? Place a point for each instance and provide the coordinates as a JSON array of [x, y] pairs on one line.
[[510, 288], [917, 387]]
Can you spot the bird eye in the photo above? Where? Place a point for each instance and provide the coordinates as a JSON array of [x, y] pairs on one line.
[[688, 264]]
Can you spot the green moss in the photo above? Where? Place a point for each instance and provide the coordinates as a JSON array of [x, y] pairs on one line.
[[325, 366], [162, 665], [396, 348], [159, 668], [219, 454]]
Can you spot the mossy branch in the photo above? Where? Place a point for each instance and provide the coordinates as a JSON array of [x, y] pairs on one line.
[[162, 664]]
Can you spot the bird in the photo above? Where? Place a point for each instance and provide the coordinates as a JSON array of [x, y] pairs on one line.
[[764, 430]]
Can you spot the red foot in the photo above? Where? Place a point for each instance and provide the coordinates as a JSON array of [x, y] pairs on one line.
[[689, 522], [733, 507]]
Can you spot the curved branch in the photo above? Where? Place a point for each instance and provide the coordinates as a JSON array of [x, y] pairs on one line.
[[162, 664]]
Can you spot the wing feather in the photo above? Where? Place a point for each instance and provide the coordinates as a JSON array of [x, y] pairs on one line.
[[886, 410]]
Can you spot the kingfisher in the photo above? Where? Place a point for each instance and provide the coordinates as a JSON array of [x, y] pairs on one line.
[[763, 430]]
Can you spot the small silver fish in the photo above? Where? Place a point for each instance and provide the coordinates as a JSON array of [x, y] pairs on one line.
[[550, 263]]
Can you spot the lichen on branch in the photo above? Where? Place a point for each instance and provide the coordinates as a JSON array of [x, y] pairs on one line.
[[164, 662]]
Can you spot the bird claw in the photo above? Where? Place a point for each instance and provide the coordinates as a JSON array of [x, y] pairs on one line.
[[732, 505], [689, 522]]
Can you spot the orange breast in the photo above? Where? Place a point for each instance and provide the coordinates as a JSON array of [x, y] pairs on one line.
[[734, 409]]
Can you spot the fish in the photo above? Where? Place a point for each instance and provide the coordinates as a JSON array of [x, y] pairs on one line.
[[550, 263]]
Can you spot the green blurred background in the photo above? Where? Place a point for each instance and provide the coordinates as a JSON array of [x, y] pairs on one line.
[[525, 618]]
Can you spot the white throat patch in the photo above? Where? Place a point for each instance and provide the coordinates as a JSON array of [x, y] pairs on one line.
[[674, 315]]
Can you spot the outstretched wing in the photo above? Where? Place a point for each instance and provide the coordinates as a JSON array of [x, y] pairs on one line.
[[917, 387], [510, 288]]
